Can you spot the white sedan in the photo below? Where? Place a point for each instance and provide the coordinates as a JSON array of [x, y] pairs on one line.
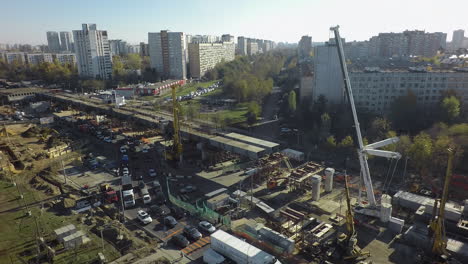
[[144, 217]]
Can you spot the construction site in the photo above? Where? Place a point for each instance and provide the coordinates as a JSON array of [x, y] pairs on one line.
[[87, 182]]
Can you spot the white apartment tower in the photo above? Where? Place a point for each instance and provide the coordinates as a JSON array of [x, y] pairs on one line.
[[53, 41], [168, 54], [92, 52], [66, 41]]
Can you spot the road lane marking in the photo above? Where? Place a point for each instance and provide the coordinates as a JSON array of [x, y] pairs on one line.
[[173, 233]]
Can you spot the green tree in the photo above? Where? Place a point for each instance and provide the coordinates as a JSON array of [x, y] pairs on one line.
[[133, 61], [404, 144], [254, 107], [325, 125], [347, 142], [292, 102], [405, 113], [330, 143], [421, 151], [450, 107], [379, 128]]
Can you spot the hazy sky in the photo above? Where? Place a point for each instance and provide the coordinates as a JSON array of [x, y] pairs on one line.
[[26, 21]]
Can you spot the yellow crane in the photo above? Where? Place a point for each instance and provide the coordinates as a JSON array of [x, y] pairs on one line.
[[437, 226], [176, 152], [349, 241]]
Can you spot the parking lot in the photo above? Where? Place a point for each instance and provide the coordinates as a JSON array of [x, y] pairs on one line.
[[114, 149]]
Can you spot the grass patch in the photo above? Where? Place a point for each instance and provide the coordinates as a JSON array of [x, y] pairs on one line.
[[18, 231], [237, 114]]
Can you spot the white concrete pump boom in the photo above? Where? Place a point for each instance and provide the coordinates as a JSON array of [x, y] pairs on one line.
[[363, 150]]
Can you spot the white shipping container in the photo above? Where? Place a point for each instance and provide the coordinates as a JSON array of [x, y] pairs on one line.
[[239, 251]]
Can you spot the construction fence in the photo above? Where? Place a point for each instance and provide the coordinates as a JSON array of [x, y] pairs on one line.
[[202, 211]]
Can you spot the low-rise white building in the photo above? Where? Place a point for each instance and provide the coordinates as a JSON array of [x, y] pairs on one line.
[[37, 58], [66, 58]]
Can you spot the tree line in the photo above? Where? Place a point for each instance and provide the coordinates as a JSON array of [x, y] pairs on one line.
[[248, 79], [128, 69]]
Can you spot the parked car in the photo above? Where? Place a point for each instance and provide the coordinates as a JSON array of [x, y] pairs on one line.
[[157, 185], [170, 221], [125, 170], [207, 227], [123, 149], [160, 210], [152, 173], [180, 241], [160, 198], [144, 217], [177, 212], [188, 189], [192, 233]]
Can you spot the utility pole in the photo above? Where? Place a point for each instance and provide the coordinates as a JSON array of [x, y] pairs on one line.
[[122, 204], [63, 169]]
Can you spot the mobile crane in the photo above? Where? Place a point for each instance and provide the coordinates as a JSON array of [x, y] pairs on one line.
[[371, 149], [437, 226]]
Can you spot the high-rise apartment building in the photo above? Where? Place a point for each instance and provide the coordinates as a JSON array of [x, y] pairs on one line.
[[242, 46], [457, 38], [227, 38], [305, 47], [168, 53], [328, 80], [252, 47], [205, 56], [92, 52], [144, 51], [425, 44], [53, 41], [66, 41]]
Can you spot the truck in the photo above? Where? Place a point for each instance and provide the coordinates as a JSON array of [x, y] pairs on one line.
[[239, 251], [109, 194], [127, 191]]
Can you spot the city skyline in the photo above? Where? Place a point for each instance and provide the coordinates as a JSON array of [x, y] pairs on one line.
[[284, 21]]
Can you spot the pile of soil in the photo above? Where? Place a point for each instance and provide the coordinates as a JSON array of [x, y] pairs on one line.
[[31, 132], [41, 185]]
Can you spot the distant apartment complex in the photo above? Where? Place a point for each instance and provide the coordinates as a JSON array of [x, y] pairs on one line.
[[144, 49], [120, 47], [227, 38], [248, 46], [305, 47], [375, 90], [11, 57], [65, 58], [458, 39], [168, 54], [205, 56], [37, 58], [92, 52], [53, 41], [66, 41], [407, 43]]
